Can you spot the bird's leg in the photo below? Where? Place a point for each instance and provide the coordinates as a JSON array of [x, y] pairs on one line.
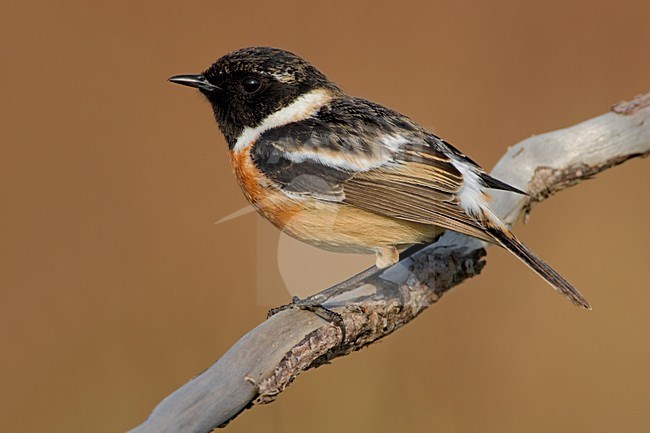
[[316, 308], [314, 303], [342, 287], [386, 257]]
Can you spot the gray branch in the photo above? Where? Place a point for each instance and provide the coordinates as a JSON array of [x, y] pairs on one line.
[[267, 359]]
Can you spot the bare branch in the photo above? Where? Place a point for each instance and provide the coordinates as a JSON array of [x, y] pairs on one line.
[[267, 359]]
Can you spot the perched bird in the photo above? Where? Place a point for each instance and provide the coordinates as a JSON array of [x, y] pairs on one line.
[[343, 173]]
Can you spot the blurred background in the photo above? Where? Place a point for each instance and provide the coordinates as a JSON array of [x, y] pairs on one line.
[[116, 286]]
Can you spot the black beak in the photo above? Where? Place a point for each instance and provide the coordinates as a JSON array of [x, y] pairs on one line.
[[198, 81]]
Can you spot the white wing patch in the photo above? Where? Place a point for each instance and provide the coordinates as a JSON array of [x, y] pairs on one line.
[[473, 198], [381, 154], [302, 108]]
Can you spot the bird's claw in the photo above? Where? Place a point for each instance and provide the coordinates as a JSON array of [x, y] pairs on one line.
[[318, 309]]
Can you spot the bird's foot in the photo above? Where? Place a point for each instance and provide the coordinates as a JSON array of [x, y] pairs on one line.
[[316, 308]]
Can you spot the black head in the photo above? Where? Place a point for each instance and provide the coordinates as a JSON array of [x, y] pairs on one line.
[[247, 85]]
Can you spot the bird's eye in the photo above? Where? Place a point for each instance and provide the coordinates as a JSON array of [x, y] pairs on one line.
[[251, 85]]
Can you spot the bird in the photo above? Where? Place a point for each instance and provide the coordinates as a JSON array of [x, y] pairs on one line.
[[343, 173]]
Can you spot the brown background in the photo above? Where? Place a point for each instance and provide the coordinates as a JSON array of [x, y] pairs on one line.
[[117, 287]]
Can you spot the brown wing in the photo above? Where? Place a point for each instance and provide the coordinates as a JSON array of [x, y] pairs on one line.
[[420, 186], [370, 157]]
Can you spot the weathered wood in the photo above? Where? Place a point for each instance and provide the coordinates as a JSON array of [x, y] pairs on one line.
[[267, 359]]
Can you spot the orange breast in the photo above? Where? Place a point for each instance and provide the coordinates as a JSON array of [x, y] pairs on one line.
[[274, 205]]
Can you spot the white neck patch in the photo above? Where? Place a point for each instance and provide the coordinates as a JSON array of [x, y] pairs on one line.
[[300, 109]]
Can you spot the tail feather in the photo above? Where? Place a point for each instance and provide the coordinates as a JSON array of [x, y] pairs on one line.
[[494, 183], [507, 240]]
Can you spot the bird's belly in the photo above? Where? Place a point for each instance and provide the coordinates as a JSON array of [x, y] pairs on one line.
[[340, 227], [344, 228]]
